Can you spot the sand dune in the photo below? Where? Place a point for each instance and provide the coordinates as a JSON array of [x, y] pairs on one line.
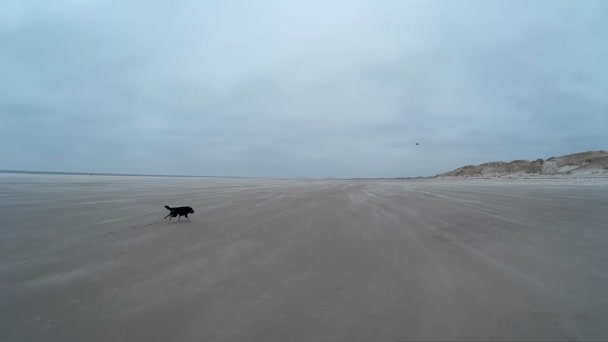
[[90, 259], [584, 163]]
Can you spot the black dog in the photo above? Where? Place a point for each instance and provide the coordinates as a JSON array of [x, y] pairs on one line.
[[179, 211]]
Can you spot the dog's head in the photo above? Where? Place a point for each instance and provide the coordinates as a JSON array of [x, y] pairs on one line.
[[190, 210]]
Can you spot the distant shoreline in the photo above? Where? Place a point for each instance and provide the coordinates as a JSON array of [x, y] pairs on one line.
[[59, 173], [439, 178]]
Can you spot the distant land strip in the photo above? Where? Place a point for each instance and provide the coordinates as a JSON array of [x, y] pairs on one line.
[[105, 174]]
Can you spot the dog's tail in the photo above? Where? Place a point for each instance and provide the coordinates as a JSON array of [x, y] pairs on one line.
[[168, 207]]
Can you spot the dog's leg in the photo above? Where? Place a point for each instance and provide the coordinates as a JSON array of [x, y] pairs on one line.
[[168, 216], [187, 216], [180, 216]]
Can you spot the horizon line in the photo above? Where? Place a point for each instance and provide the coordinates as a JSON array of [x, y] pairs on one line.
[[78, 173]]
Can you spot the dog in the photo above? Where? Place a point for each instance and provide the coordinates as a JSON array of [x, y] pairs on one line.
[[179, 212]]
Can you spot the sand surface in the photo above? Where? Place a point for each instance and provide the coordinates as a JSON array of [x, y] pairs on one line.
[[89, 258]]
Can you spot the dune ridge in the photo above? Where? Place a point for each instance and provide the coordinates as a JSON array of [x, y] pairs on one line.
[[584, 163]]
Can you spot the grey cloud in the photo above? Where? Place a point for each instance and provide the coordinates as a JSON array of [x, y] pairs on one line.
[[273, 88]]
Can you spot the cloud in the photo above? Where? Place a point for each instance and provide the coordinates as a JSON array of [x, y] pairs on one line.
[[273, 88]]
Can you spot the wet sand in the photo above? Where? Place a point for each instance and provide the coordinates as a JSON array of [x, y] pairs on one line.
[[90, 258]]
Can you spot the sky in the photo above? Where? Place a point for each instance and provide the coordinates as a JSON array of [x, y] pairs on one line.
[[299, 88]]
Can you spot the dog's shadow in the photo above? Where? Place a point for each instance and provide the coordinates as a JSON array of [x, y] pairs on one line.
[[184, 221]]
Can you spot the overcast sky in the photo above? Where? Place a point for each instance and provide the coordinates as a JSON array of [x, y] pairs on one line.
[[299, 88]]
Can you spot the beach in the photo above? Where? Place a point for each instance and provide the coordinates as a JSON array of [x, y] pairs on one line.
[[90, 258]]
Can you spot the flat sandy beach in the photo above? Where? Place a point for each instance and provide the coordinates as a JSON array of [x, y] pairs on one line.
[[90, 258]]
